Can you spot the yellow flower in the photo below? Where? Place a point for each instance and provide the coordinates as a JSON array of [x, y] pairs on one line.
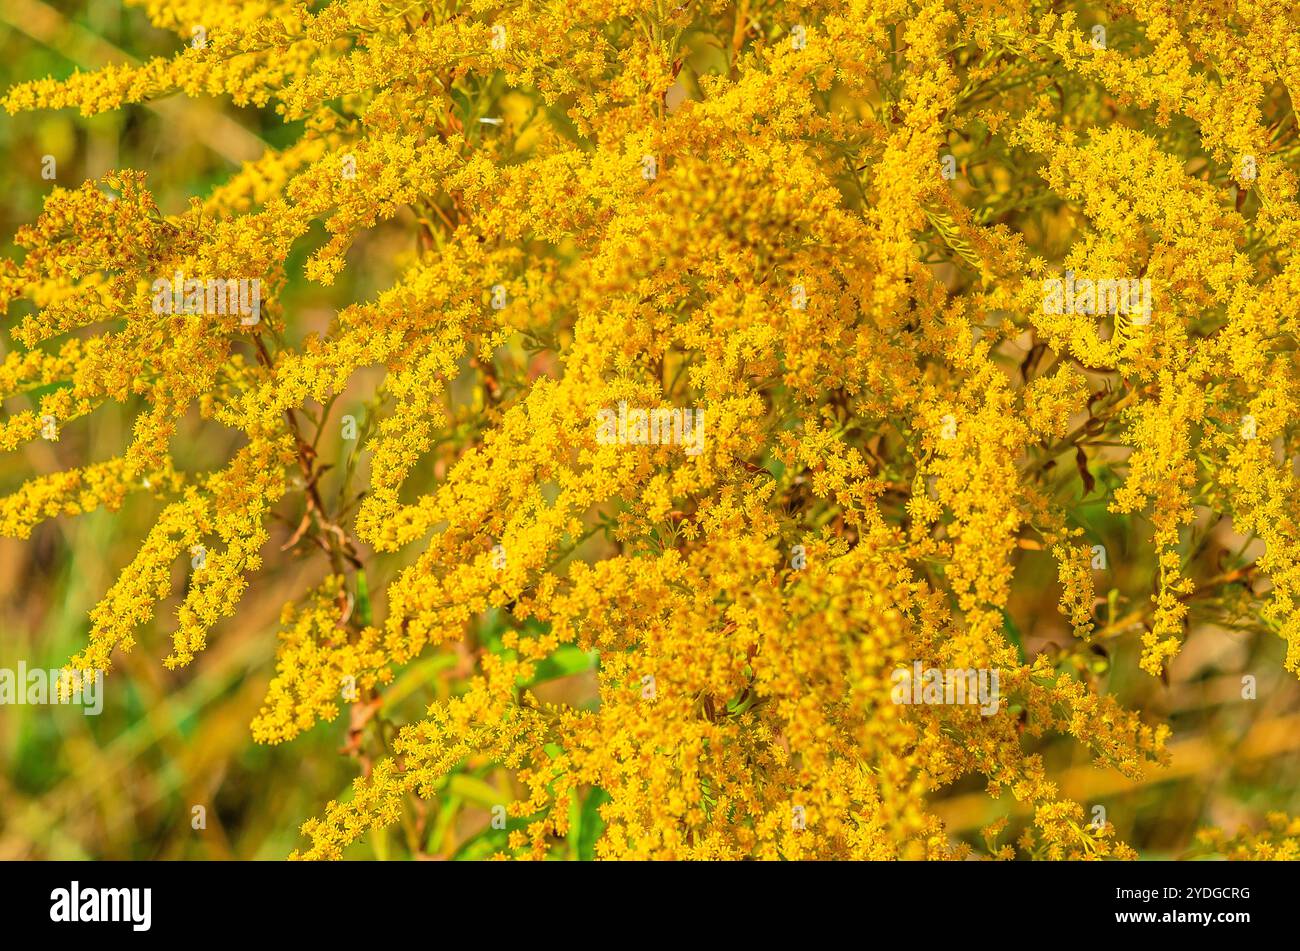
[[874, 257]]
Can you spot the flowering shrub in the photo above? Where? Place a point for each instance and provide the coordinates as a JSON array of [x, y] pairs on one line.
[[749, 358]]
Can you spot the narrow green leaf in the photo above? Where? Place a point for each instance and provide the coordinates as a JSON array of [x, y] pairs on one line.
[[1013, 634]]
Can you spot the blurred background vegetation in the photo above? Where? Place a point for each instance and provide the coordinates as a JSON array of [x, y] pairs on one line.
[[124, 785]]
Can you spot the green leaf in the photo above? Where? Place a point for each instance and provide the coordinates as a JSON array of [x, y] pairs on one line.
[[564, 662], [363, 598], [379, 842], [591, 825], [413, 678], [475, 790], [1012, 634]]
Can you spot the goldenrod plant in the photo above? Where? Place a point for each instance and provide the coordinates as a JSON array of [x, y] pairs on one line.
[[790, 431]]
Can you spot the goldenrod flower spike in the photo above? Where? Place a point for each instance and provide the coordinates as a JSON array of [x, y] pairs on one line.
[[836, 390]]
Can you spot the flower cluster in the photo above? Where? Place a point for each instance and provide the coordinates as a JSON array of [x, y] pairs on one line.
[[826, 226]]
